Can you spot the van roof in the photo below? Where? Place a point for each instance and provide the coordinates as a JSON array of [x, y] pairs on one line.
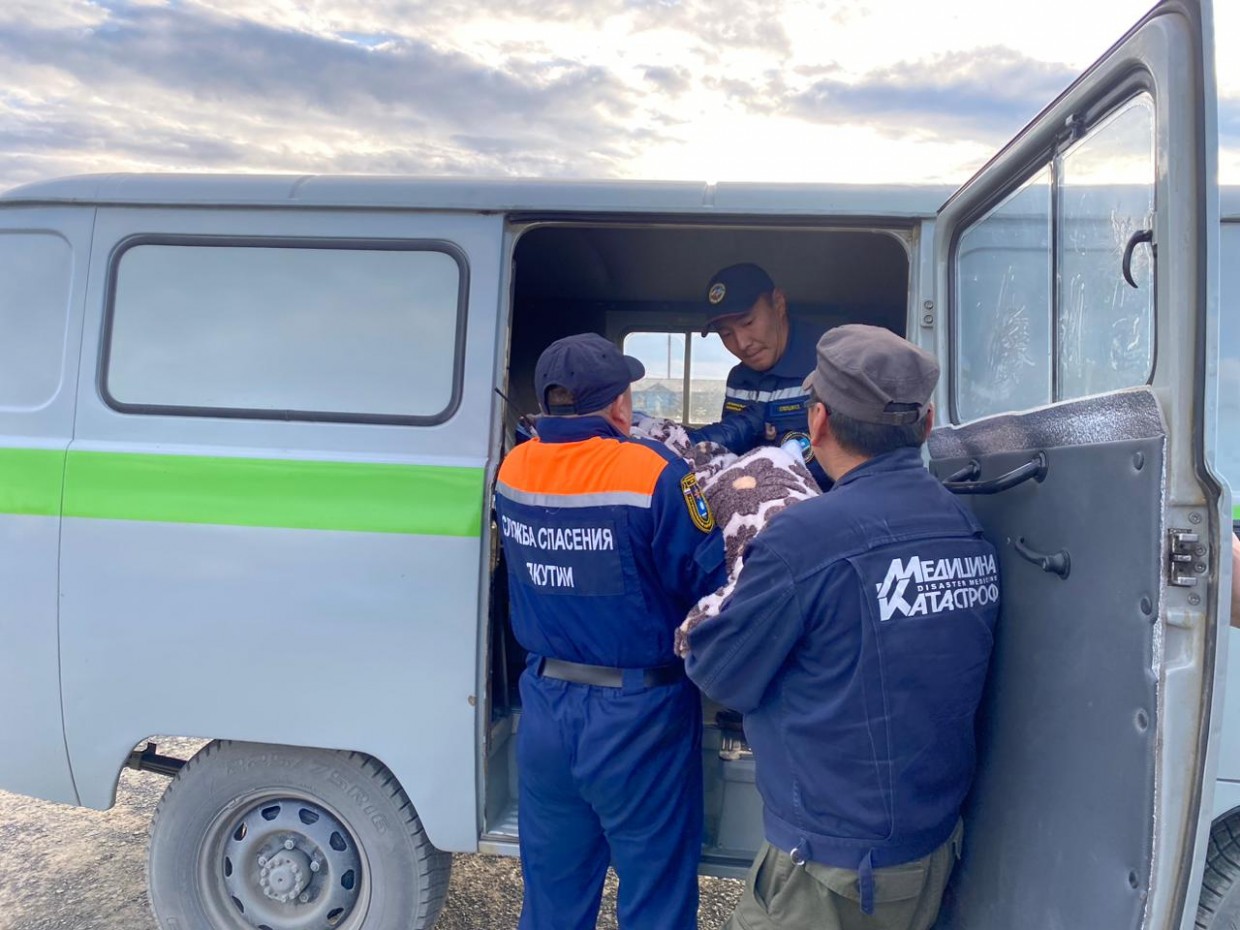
[[534, 196], [508, 195]]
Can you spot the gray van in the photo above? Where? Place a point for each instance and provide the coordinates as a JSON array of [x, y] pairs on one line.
[[249, 426]]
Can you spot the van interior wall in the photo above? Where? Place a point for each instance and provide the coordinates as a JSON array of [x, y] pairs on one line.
[[596, 278]]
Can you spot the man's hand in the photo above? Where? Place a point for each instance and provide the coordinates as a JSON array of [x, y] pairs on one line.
[[737, 432]]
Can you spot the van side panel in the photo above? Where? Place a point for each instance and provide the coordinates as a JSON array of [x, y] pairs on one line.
[[290, 581], [44, 254]]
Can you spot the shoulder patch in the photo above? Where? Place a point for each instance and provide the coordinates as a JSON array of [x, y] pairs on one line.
[[699, 510]]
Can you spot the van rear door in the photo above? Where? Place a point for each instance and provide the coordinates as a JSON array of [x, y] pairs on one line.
[[44, 256], [1077, 269]]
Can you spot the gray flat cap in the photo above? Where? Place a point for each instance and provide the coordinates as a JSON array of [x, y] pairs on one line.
[[872, 375]]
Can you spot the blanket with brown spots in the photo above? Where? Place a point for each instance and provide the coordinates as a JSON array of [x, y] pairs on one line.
[[744, 494]]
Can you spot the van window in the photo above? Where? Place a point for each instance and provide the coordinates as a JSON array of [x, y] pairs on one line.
[[1040, 277], [1106, 193], [663, 391], [1003, 299], [1228, 432], [328, 332], [36, 273]]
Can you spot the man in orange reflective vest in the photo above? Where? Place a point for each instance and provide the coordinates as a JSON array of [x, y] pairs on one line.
[[608, 542]]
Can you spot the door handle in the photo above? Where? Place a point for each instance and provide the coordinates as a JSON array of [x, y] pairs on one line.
[[1141, 235], [1056, 563], [1035, 468]]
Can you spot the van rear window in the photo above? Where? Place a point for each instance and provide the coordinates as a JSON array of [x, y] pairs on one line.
[[679, 365], [263, 329]]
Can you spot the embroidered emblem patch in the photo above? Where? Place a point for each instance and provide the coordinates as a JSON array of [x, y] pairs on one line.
[[717, 293], [699, 510]]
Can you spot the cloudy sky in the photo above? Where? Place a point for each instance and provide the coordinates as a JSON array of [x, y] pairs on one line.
[[791, 90]]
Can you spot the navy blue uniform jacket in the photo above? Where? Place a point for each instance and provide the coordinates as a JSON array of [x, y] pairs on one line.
[[856, 644], [609, 543], [778, 390]]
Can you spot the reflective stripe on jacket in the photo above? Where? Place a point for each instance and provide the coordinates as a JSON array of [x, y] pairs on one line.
[[608, 542]]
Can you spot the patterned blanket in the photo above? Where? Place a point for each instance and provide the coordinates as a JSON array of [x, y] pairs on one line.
[[744, 494]]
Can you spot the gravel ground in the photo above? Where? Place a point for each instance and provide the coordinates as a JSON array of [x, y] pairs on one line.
[[68, 868]]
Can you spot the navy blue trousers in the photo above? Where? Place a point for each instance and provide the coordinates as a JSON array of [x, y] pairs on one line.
[[609, 776]]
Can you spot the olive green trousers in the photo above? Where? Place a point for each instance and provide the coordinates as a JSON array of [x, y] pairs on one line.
[[780, 895]]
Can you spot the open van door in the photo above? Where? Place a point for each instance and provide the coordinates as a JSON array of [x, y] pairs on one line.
[[1077, 271]]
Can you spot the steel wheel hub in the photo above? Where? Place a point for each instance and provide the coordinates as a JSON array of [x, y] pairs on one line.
[[289, 864]]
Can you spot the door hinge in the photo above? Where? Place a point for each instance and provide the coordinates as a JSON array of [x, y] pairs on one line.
[[1183, 550]]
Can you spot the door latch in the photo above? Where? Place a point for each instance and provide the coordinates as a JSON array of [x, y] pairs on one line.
[[1182, 551]]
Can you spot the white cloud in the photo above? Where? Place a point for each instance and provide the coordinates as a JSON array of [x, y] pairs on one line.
[[826, 90], [69, 14]]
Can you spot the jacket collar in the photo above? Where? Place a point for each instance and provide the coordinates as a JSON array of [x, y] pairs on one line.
[[899, 460], [575, 429]]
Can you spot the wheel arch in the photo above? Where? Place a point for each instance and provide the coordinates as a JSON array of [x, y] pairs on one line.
[[98, 788]]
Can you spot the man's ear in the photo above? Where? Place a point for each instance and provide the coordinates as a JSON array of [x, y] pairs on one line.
[[929, 421], [779, 302], [819, 427], [620, 412]]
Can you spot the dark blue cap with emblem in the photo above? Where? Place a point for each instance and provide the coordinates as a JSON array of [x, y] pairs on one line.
[[590, 367], [733, 290]]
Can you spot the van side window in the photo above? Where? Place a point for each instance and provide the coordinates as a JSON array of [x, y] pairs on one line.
[[1003, 303], [1106, 194], [323, 332], [36, 273], [663, 391], [1043, 311]]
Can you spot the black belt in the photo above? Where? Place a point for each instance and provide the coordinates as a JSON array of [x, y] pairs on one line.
[[604, 676]]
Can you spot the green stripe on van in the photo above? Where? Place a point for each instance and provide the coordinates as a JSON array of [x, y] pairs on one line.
[[30, 481], [296, 494]]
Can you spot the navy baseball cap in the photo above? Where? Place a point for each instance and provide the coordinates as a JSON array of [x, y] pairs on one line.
[[589, 366], [733, 290]]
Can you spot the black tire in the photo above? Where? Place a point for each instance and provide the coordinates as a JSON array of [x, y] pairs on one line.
[[252, 836], [1219, 907]]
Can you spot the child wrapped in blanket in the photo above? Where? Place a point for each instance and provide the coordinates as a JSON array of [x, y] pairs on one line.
[[744, 492]]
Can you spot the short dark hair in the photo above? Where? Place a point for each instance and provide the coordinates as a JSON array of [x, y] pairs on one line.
[[561, 397], [871, 439]]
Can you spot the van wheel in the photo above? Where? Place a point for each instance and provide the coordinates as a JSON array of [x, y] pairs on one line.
[[256, 837], [1219, 907]]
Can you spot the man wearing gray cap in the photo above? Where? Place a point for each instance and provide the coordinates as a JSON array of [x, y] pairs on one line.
[[856, 644]]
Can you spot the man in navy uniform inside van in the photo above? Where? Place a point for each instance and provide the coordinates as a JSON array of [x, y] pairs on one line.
[[764, 401], [856, 645], [608, 542]]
